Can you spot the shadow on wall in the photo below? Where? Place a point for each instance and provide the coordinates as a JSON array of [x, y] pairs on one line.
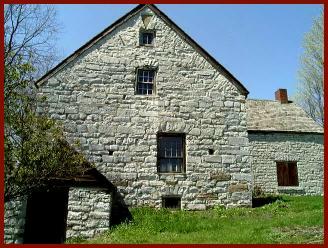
[[120, 212], [260, 201]]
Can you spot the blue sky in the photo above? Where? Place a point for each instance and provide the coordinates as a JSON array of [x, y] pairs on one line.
[[259, 44]]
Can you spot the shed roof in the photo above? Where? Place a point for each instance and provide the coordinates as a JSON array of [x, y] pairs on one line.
[[268, 115]]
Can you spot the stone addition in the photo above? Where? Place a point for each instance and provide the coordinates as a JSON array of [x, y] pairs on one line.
[[14, 220], [304, 148], [280, 131], [88, 212]]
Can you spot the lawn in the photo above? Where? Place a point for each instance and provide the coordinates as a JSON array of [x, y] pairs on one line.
[[297, 219]]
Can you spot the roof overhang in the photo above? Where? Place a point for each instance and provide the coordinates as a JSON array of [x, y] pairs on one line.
[[170, 23]]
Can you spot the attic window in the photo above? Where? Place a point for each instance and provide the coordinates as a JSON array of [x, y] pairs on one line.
[[147, 38], [173, 202]]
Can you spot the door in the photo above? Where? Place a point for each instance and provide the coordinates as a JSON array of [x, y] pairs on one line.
[[46, 215]]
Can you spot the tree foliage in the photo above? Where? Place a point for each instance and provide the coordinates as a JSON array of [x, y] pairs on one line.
[[35, 147], [310, 88]]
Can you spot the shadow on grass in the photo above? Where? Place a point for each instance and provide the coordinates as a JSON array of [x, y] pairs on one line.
[[260, 201]]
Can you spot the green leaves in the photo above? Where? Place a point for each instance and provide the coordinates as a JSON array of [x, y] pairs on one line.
[[35, 147]]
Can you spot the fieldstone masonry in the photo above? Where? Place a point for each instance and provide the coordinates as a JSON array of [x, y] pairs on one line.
[[88, 212], [306, 149], [94, 96], [14, 220]]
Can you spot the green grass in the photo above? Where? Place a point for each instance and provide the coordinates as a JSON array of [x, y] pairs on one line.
[[297, 219]]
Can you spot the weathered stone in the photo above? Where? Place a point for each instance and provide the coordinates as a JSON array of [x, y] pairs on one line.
[[196, 206], [14, 220], [120, 182], [192, 97], [228, 159], [113, 147], [212, 159], [238, 187], [207, 196], [307, 149], [220, 176], [88, 212]]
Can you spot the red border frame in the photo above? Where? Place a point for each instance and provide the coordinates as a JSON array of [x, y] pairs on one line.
[[148, 2]]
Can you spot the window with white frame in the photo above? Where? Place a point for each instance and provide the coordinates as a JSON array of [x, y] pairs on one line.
[[145, 81]]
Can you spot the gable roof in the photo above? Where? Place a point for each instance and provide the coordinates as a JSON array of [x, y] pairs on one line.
[[170, 23], [268, 115]]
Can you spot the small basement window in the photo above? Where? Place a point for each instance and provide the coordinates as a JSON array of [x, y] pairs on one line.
[[147, 38], [287, 173], [173, 202]]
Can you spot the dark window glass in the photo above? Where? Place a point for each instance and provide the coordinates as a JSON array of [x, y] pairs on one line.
[[172, 202], [145, 82], [170, 153], [147, 38], [287, 174]]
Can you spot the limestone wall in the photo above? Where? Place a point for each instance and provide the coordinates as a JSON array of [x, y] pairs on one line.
[[14, 220], [306, 149], [88, 212], [94, 96]]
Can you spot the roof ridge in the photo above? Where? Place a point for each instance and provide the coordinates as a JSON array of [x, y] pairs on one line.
[[263, 115], [171, 24]]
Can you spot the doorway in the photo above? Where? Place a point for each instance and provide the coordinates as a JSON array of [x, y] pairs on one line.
[[46, 215]]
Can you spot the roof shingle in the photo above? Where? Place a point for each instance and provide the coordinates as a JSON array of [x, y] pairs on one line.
[[267, 115]]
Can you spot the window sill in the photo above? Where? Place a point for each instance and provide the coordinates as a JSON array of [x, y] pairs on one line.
[[146, 45], [164, 175], [291, 189], [146, 96]]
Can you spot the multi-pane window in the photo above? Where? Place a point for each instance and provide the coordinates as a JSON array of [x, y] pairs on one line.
[[171, 153], [147, 38], [287, 173], [145, 82]]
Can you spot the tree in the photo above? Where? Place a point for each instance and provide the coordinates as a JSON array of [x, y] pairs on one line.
[[35, 147], [30, 32], [310, 88]]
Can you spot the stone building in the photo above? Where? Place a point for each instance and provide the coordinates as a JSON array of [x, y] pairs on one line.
[[168, 126], [286, 147]]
